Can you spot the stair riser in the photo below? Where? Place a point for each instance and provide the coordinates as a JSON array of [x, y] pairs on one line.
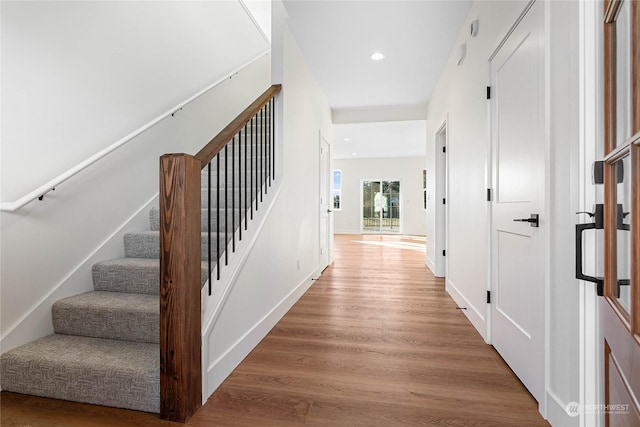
[[123, 325], [130, 279]]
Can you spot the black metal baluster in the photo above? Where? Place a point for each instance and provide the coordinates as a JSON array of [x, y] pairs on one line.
[[209, 224], [267, 179], [256, 157], [233, 193], [245, 178], [242, 132], [269, 142], [261, 113], [253, 134], [264, 143], [217, 215], [273, 145], [226, 205]]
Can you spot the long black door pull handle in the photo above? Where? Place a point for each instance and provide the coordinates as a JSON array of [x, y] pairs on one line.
[[596, 225]]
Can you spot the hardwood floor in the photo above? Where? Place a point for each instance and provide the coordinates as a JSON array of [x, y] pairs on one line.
[[376, 341]]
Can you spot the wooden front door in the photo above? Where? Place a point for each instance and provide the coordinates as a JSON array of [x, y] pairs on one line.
[[619, 310]]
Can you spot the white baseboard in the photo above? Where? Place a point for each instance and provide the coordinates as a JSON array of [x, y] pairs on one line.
[[477, 319], [431, 265], [221, 368], [344, 231], [557, 413]]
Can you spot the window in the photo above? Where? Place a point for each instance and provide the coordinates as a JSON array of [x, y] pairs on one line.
[[424, 188], [337, 190]]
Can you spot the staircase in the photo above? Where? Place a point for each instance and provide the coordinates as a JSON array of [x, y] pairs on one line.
[[134, 342], [105, 346]]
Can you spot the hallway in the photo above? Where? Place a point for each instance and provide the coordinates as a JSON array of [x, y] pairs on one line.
[[376, 341]]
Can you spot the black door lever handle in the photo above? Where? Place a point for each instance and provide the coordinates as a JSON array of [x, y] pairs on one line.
[[533, 220]]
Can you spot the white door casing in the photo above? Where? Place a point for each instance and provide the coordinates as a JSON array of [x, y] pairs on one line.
[[517, 248], [442, 186]]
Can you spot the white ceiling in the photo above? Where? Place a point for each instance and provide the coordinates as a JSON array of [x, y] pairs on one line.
[[337, 38]]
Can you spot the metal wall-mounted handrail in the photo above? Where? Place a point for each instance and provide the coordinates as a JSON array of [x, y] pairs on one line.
[[55, 182]]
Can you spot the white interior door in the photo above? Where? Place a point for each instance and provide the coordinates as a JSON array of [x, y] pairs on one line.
[[325, 202], [517, 263]]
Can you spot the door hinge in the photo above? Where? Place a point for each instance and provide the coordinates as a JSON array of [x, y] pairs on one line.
[[488, 194], [444, 201], [488, 297], [444, 253], [488, 92], [444, 149]]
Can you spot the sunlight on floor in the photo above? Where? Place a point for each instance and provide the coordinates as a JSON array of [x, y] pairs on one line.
[[419, 247]]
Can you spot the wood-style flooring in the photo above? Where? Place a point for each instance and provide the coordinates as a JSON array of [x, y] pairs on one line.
[[376, 341]]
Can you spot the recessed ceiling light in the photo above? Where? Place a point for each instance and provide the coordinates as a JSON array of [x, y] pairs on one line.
[[354, 154], [347, 139], [377, 56]]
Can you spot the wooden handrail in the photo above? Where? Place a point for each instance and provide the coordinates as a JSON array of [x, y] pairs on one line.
[[209, 151]]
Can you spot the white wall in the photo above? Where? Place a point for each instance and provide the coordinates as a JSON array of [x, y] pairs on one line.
[[270, 282], [407, 170], [76, 76], [460, 96]]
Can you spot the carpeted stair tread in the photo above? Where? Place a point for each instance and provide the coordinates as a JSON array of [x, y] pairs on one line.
[[146, 244], [90, 370], [111, 315], [131, 275]]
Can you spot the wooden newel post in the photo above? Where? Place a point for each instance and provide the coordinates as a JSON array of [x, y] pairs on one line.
[[180, 318]]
